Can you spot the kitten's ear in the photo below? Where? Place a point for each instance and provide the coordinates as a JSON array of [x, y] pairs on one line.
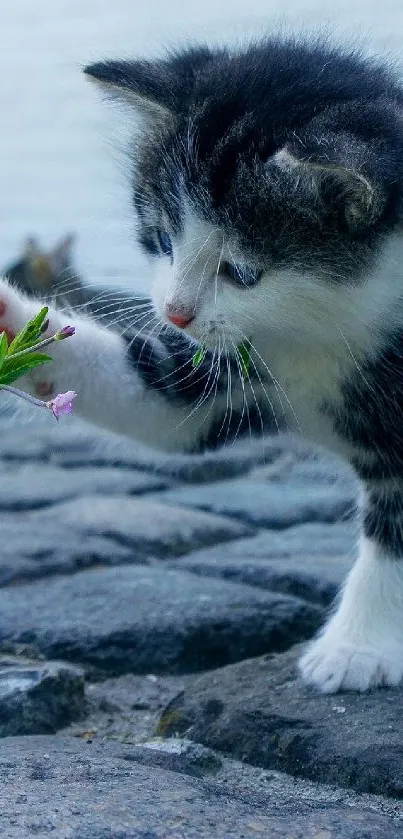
[[158, 89], [337, 175], [139, 83]]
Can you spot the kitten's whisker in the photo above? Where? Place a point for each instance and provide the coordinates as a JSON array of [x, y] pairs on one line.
[[269, 401], [229, 395], [215, 381], [256, 401], [137, 332], [356, 363], [245, 401], [124, 312], [206, 393], [275, 381], [216, 276]]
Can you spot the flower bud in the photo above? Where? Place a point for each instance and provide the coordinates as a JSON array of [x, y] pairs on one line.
[[66, 332]]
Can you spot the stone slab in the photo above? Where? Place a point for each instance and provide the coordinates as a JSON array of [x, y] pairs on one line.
[[69, 789], [103, 529], [260, 712], [34, 551], [147, 526], [275, 504], [29, 487], [38, 697], [77, 444], [309, 560], [144, 619]]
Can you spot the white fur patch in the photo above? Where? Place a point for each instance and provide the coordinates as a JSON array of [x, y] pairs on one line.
[[362, 644]]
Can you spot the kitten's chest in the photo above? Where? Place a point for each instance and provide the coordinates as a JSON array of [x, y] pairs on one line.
[[309, 387]]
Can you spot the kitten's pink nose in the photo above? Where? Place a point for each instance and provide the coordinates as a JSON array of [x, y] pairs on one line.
[[179, 317]]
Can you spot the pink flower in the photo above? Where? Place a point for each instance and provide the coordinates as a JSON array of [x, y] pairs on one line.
[[61, 404]]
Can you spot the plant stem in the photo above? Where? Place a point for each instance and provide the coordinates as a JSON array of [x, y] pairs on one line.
[[32, 399], [38, 346]]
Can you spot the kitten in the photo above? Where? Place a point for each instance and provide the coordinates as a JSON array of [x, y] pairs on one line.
[[268, 185]]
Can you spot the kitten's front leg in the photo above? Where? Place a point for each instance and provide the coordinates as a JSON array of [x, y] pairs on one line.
[[361, 646], [146, 389]]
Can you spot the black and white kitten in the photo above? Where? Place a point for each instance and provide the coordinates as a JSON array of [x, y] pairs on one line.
[[268, 186]]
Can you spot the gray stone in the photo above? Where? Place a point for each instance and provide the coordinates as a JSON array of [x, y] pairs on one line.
[[148, 527], [302, 464], [77, 444], [30, 487], [258, 711], [100, 529], [310, 560], [38, 697], [273, 504], [322, 468], [177, 755], [198, 468], [68, 789], [37, 441], [142, 619], [127, 708], [34, 550], [22, 446], [99, 448]]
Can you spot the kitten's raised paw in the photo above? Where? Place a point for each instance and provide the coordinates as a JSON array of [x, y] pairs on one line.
[[15, 310], [332, 664]]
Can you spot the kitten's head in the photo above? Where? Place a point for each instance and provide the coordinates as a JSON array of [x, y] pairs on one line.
[[265, 180]]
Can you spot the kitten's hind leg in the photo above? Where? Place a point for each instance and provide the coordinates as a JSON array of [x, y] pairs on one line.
[[361, 646]]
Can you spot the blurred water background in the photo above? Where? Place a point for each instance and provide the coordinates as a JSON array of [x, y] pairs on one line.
[[61, 164]]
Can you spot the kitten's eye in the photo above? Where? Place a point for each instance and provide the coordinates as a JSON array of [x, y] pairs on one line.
[[165, 243], [241, 275]]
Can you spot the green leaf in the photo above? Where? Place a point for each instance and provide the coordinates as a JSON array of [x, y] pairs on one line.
[[3, 348], [14, 368], [198, 356], [30, 334], [243, 351]]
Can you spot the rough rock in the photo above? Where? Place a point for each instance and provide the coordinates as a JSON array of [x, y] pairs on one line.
[[33, 551], [273, 504], [30, 487], [77, 444], [148, 527], [109, 450], [177, 755], [38, 697], [143, 619], [103, 529], [127, 708], [258, 711], [310, 560], [74, 790]]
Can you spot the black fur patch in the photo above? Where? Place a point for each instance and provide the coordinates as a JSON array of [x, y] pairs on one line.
[[248, 421], [371, 418], [383, 519], [165, 365], [229, 112]]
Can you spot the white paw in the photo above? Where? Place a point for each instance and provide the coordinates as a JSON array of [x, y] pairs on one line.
[[333, 663]]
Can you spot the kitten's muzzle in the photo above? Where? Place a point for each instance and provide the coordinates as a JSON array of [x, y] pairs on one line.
[[179, 317]]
